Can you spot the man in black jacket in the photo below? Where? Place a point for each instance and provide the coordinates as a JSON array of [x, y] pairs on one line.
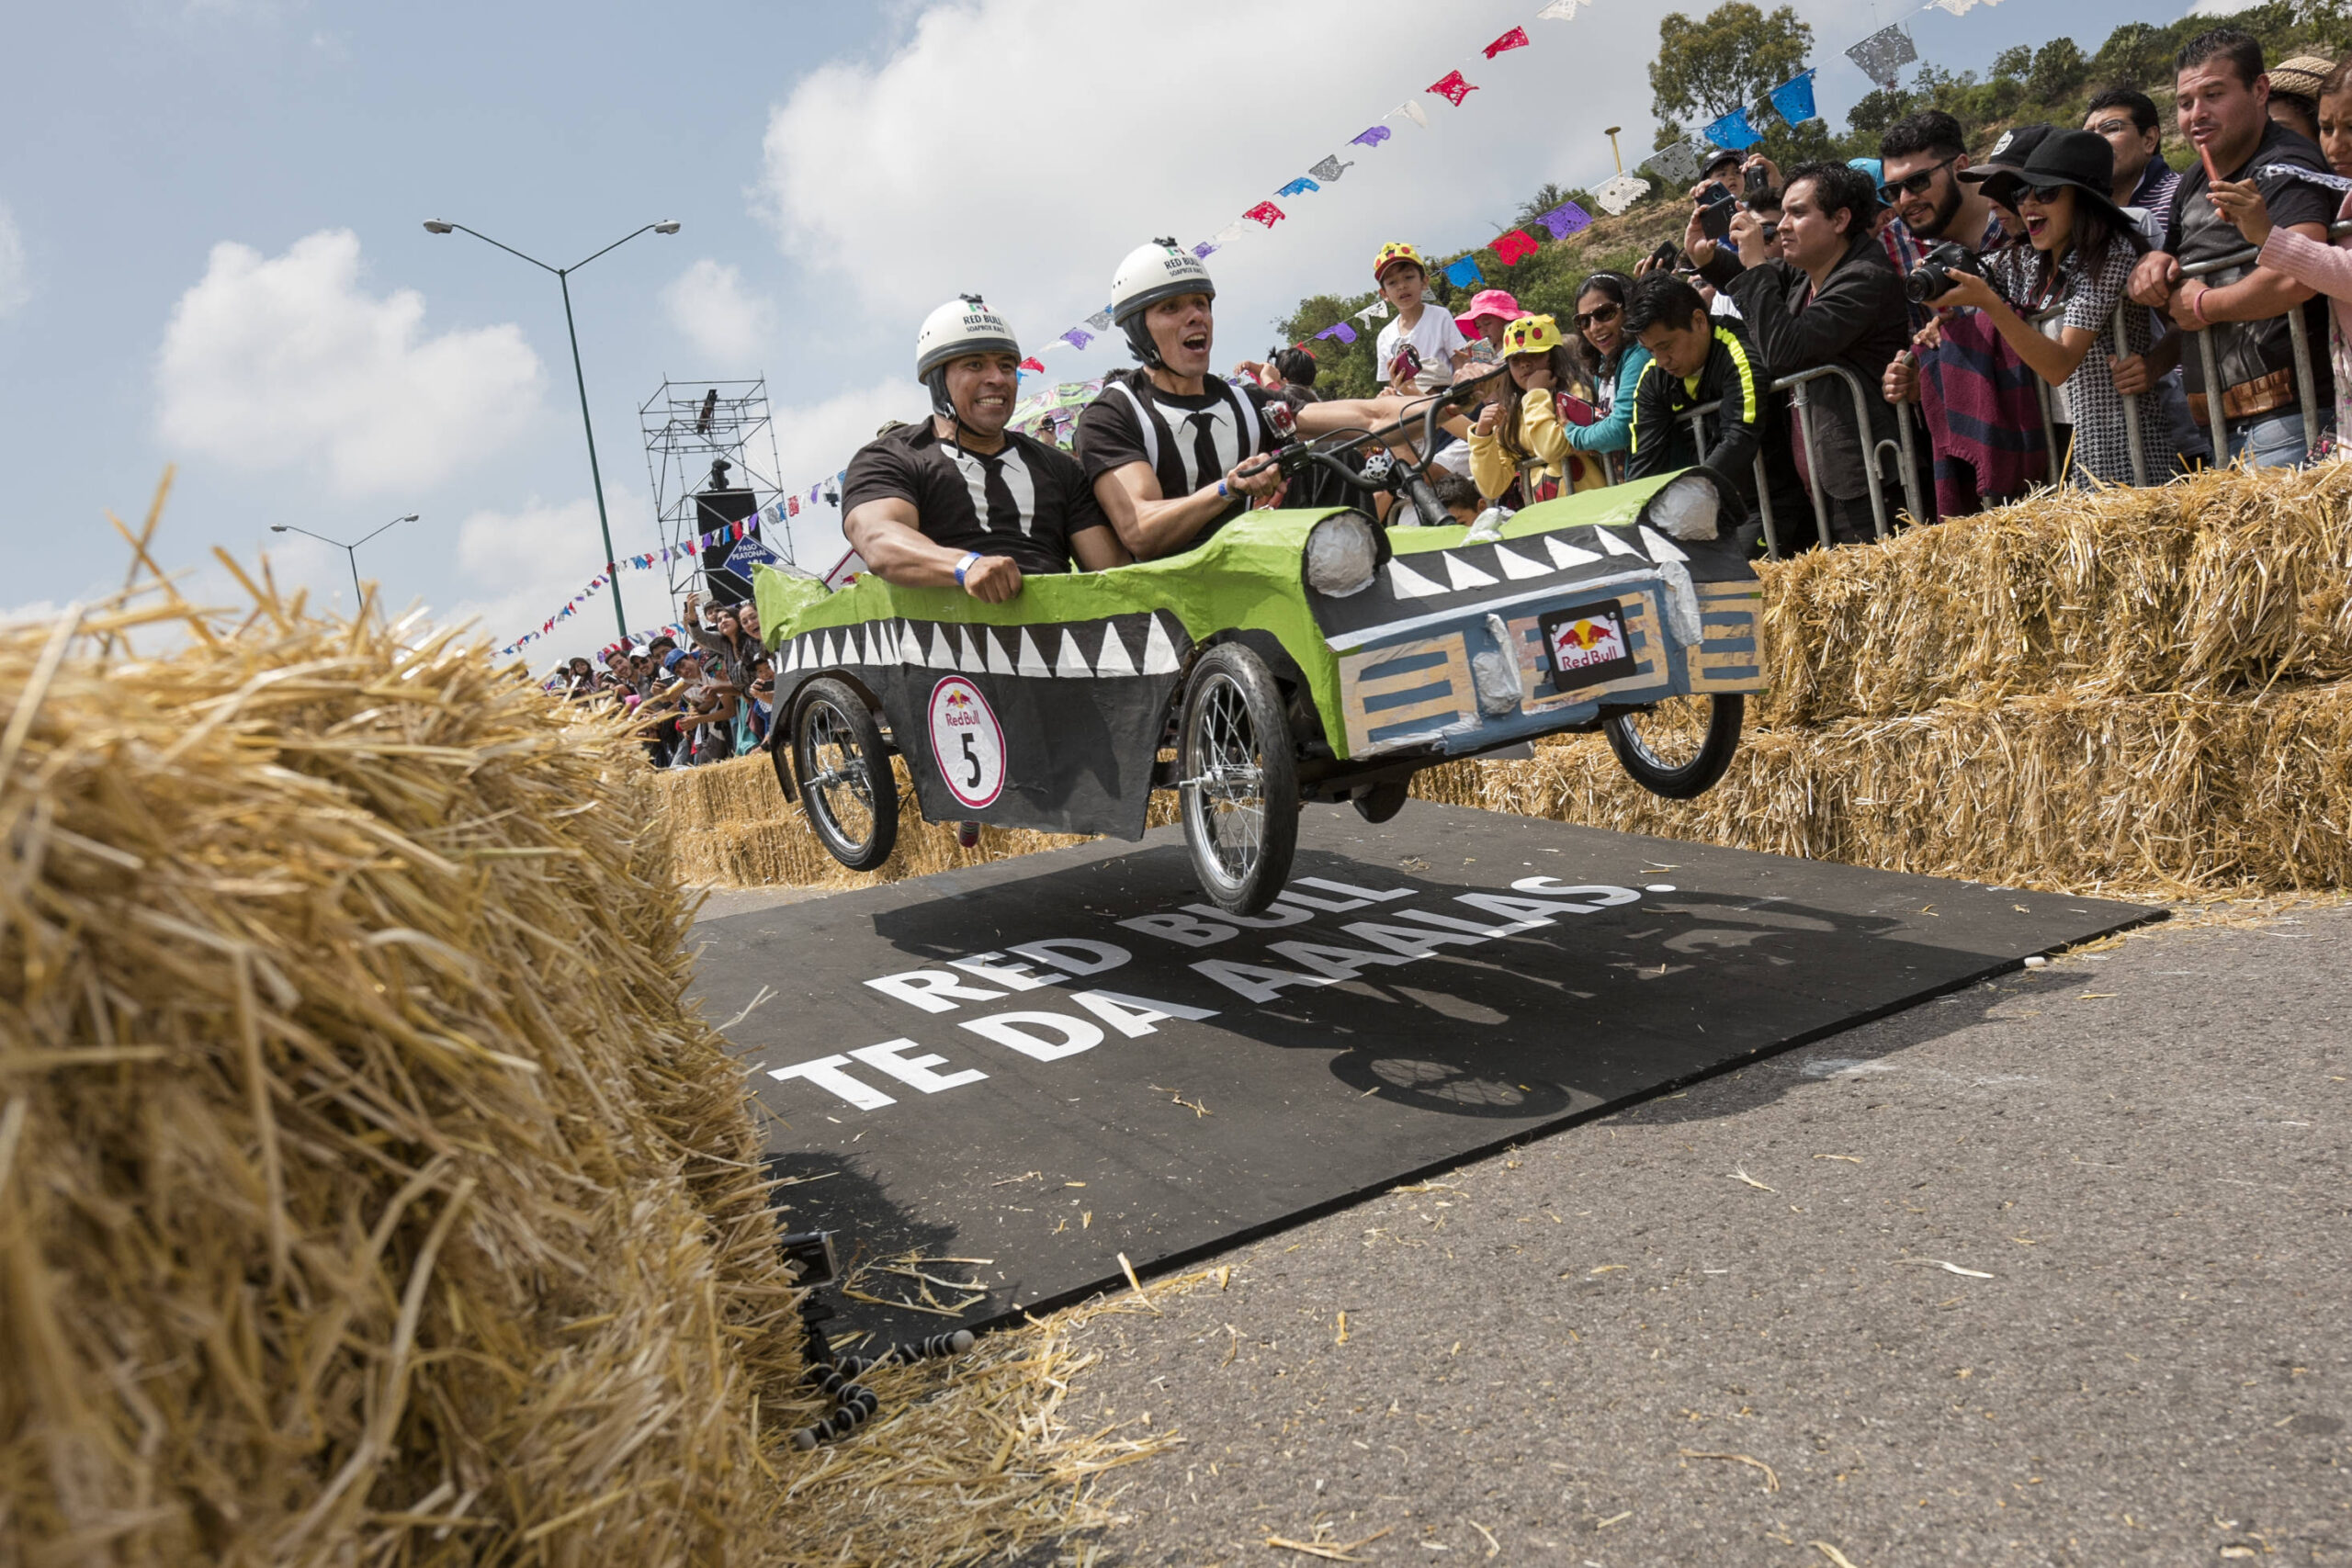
[[1830, 299]]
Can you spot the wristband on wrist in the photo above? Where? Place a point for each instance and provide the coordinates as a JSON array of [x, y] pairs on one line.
[[971, 558], [1222, 492], [2197, 305]]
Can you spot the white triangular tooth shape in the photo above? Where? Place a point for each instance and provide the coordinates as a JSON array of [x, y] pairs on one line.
[[883, 642], [905, 645], [1461, 574], [856, 649], [1659, 546], [971, 662], [1115, 660], [1407, 583], [1158, 653], [943, 653], [1567, 555], [1615, 546], [833, 652], [1518, 567], [1000, 661], [791, 659], [1031, 662], [1072, 661]]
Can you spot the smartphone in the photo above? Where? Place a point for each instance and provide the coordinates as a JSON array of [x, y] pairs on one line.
[[1407, 365], [1715, 219], [1574, 409], [1758, 181], [1665, 255]]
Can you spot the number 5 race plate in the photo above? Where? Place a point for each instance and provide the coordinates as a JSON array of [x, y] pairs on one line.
[[968, 742]]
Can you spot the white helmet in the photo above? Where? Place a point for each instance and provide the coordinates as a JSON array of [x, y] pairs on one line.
[[963, 325], [1160, 270]]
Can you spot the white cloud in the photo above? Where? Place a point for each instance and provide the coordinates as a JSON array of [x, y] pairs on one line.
[[817, 442], [517, 568], [727, 323], [286, 362], [15, 274]]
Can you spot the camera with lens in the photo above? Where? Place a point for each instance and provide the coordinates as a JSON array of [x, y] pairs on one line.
[[1932, 278]]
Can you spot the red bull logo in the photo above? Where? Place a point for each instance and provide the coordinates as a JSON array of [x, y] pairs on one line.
[[1583, 642]]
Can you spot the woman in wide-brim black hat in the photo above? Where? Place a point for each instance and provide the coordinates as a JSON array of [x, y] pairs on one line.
[[2078, 256]]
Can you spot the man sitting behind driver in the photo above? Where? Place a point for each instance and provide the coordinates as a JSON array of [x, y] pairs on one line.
[[1166, 443], [959, 499]]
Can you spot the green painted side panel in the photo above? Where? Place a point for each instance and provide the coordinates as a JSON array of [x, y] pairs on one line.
[[1246, 579]]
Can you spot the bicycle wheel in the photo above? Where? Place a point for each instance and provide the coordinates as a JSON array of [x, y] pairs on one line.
[[846, 784], [1676, 747], [1238, 791]]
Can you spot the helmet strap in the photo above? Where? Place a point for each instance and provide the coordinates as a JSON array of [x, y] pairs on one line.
[[1139, 341]]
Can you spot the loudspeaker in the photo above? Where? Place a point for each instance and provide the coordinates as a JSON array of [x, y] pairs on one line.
[[715, 509]]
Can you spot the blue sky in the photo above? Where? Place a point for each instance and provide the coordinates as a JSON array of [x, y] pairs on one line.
[[839, 170]]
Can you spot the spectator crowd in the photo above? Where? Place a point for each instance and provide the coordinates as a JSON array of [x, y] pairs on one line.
[[1843, 343]]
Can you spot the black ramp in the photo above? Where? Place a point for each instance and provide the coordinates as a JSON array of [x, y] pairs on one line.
[[1051, 1061]]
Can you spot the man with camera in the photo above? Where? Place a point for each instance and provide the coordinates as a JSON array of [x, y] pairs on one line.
[[1830, 299], [1975, 396]]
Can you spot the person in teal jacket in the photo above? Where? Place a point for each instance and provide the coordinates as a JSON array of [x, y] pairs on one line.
[[1613, 362]]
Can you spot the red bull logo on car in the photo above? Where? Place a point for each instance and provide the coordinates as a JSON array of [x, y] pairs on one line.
[[1580, 643], [967, 744]]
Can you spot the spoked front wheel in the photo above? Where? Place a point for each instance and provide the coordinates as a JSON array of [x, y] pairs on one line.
[[846, 784], [1680, 747], [1238, 789]]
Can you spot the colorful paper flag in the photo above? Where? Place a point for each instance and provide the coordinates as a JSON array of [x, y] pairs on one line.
[[1515, 39], [1375, 312], [1514, 247], [1792, 99], [1340, 330], [1621, 192], [1464, 273], [1565, 219], [1560, 11], [1076, 337], [1298, 186], [1330, 169], [1411, 111], [1372, 138], [1229, 234], [1033, 363], [1677, 164], [1206, 249], [1732, 132], [792, 505], [1884, 55], [1100, 322], [1266, 212], [1451, 88]]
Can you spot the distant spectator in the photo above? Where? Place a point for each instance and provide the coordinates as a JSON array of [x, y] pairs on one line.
[[1492, 309], [1975, 395], [1614, 363], [759, 706], [1436, 344], [1831, 300], [1458, 493], [577, 678], [1696, 360], [2127, 118], [1517, 445], [1294, 370], [2327, 268], [2222, 92], [2294, 93], [717, 630]]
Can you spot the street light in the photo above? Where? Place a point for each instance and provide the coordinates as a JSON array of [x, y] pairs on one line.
[[360, 596], [563, 278]]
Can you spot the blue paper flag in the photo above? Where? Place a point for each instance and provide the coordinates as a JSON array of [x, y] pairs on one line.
[[1792, 99], [1732, 132], [1464, 273], [1298, 186]]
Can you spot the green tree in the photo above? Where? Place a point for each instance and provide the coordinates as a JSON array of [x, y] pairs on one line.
[[2058, 69], [2134, 55], [1877, 109], [2014, 64], [1706, 69]]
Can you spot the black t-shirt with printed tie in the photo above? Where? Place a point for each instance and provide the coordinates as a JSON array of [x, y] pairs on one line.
[[1025, 500], [1189, 441]]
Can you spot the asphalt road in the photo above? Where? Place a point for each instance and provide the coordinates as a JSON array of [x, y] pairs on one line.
[[2053, 1271]]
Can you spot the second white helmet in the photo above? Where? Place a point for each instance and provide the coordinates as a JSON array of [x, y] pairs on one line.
[[1152, 273]]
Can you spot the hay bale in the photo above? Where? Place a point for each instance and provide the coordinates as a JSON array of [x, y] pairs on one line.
[[2216, 582], [367, 1191], [736, 829], [2167, 794]]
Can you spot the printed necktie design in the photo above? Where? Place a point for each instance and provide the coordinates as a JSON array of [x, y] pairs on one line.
[[1005, 493]]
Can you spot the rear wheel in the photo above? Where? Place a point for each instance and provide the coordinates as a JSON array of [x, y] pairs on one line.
[[1238, 789], [846, 784], [1379, 802], [1677, 748]]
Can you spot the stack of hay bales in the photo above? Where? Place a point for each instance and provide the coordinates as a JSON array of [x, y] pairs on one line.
[[367, 1193], [2135, 689], [736, 827]]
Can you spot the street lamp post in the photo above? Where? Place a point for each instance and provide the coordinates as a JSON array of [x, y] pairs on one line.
[[351, 550], [563, 280]]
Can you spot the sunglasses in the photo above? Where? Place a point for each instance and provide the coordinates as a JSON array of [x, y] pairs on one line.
[[1915, 185], [1606, 313], [2045, 194]]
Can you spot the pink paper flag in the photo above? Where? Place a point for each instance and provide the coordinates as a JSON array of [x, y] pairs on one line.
[[1452, 88], [1514, 247], [1515, 39], [1266, 212]]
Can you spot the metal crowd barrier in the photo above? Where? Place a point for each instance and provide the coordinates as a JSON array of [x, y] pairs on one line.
[[2306, 383], [1874, 474]]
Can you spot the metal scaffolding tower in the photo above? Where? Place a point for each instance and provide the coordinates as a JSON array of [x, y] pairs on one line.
[[690, 427]]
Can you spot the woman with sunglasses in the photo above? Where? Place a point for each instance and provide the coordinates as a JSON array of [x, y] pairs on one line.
[[2080, 249], [1521, 438], [1615, 363]]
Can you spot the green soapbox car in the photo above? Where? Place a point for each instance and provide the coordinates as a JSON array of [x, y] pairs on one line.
[[1296, 656]]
